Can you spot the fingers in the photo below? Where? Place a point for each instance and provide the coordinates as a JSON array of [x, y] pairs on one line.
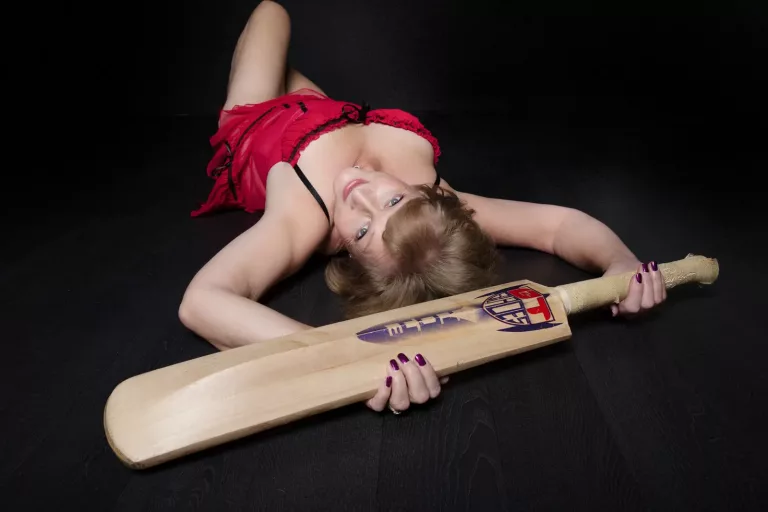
[[417, 387], [399, 398], [429, 375], [646, 290], [647, 302], [659, 288], [407, 382], [631, 304], [380, 399]]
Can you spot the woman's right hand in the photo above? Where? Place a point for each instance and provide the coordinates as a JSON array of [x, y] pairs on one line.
[[406, 382]]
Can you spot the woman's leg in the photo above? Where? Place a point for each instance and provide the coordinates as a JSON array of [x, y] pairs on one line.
[[258, 70], [295, 81]]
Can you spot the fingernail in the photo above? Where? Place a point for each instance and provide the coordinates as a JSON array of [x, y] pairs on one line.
[[639, 277], [654, 266], [420, 359], [393, 364], [389, 381], [645, 267], [402, 358]]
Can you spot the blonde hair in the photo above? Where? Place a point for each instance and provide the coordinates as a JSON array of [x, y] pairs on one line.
[[438, 249]]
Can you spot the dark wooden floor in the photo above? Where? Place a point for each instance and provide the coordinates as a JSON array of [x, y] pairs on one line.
[[667, 413]]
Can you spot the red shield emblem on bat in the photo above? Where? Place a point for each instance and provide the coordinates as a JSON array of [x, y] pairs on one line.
[[521, 307]]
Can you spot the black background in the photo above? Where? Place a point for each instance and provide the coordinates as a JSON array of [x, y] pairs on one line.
[[651, 121]]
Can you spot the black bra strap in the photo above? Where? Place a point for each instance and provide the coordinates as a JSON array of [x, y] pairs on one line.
[[312, 190], [317, 197]]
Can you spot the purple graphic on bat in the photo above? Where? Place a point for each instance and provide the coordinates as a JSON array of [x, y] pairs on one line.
[[520, 307], [441, 320]]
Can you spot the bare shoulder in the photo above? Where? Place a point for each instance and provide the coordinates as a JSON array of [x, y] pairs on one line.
[[301, 221]]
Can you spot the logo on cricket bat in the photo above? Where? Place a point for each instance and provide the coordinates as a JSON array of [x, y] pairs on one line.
[[518, 308]]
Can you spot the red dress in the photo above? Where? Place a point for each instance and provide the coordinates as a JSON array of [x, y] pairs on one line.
[[253, 138]]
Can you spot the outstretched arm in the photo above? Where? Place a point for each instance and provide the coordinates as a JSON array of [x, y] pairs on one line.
[[221, 303], [575, 237], [565, 232]]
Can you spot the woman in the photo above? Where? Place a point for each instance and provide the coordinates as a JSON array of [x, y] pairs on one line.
[[338, 178]]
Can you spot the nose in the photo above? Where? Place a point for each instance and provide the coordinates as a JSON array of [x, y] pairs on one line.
[[364, 198]]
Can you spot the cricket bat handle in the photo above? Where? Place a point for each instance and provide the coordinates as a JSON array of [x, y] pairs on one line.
[[603, 291]]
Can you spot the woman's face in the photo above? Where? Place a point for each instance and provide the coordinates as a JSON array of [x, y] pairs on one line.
[[364, 202]]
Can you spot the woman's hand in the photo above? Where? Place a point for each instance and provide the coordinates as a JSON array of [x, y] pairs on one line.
[[406, 383], [646, 289]]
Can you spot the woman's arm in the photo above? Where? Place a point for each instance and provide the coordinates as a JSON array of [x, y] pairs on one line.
[[220, 302], [565, 232], [575, 237]]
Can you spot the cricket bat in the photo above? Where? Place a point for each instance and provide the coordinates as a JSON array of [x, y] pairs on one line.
[[190, 406]]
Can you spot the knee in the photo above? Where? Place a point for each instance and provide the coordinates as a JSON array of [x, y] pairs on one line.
[[186, 316], [273, 10]]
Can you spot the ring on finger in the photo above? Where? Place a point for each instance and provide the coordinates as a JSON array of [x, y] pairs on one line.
[[394, 411]]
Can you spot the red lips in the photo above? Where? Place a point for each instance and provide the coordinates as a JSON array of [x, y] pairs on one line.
[[351, 185]]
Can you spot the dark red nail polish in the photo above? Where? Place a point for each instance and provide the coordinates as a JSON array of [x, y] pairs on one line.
[[654, 266], [402, 358], [639, 277], [645, 267], [420, 359], [393, 364], [389, 381]]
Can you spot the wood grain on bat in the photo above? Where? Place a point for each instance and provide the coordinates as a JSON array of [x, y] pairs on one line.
[[187, 407]]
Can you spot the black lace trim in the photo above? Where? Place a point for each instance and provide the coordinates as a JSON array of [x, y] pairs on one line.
[[231, 155], [349, 113]]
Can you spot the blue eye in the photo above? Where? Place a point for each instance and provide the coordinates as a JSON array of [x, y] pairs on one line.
[[361, 232], [395, 200]]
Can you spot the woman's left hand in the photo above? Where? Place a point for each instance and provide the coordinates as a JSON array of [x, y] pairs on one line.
[[646, 288], [406, 382]]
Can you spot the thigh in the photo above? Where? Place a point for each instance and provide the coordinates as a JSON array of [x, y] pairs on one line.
[[295, 81], [259, 61]]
